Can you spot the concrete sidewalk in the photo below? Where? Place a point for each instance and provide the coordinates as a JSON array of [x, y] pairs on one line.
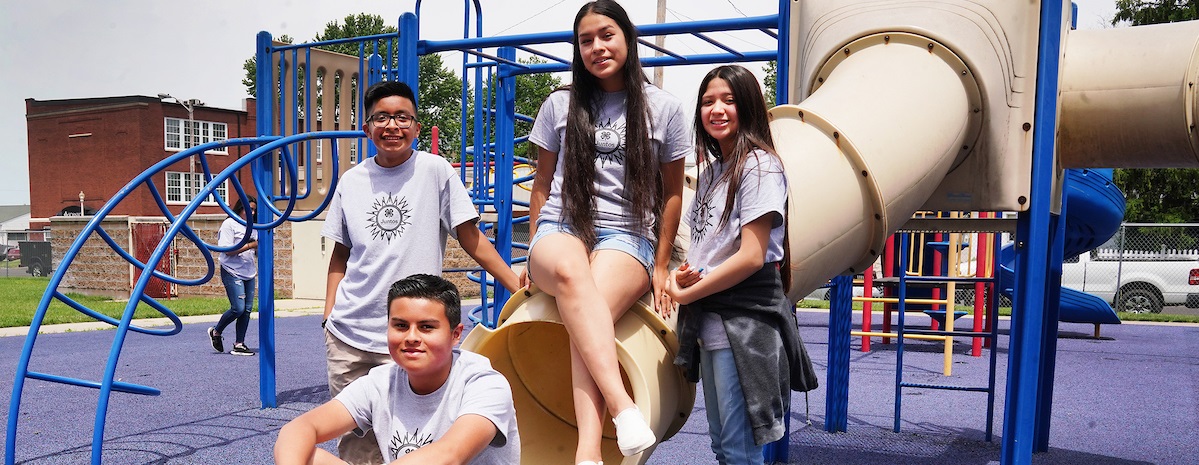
[[283, 308]]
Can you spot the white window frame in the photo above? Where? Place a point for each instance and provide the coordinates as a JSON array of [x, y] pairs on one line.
[[175, 139], [177, 191]]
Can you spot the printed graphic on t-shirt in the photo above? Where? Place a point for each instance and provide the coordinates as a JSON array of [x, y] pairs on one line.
[[389, 216], [404, 444], [609, 142], [702, 217]]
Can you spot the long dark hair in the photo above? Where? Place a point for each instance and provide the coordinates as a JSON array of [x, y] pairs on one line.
[[753, 132], [753, 128], [642, 188]]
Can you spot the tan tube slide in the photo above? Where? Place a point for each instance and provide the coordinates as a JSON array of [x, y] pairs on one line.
[[1129, 97], [530, 347], [888, 116]]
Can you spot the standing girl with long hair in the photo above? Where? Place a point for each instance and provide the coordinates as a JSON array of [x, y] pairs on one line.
[[604, 211], [735, 315]]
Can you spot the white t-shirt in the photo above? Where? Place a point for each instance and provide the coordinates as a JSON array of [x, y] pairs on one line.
[[763, 191], [243, 265], [405, 421], [395, 222], [671, 141]]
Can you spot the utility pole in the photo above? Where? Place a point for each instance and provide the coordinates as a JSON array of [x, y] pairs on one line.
[[660, 41], [189, 137]]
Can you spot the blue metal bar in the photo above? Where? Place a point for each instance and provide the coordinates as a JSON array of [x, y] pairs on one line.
[[286, 47], [721, 58], [782, 86], [993, 292], [836, 403], [653, 46], [1053, 299], [718, 25], [1027, 352], [717, 44], [902, 294], [116, 385], [539, 53], [505, 134], [406, 53]]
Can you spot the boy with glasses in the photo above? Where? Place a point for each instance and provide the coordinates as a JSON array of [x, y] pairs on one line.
[[389, 219]]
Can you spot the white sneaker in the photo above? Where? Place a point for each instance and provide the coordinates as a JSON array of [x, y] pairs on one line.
[[632, 433], [588, 462]]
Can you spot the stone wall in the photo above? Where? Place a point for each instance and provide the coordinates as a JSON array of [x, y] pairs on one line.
[[98, 269]]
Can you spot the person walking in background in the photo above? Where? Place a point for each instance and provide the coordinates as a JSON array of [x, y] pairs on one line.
[[609, 183], [735, 315], [239, 274]]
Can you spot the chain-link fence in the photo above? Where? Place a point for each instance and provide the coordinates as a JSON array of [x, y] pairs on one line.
[[1145, 268], [24, 251]]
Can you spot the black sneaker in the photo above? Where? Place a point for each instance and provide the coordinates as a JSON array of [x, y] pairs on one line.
[[217, 344], [241, 349]]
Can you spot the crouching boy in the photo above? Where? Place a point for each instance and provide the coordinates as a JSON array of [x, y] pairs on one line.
[[435, 404]]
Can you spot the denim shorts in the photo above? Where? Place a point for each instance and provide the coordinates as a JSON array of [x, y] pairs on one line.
[[636, 246]]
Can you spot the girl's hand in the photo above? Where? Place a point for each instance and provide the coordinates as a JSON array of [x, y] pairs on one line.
[[677, 292], [662, 301], [524, 276], [685, 276]]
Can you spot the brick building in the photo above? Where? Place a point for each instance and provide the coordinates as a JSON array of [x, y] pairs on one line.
[[95, 146]]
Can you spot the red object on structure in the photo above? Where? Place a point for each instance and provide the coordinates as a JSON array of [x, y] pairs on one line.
[[888, 272], [867, 305], [433, 148]]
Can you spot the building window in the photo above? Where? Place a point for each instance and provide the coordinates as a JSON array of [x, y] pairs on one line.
[[183, 187], [180, 137]]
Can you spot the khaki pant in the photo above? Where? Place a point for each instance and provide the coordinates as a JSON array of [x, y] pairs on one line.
[[346, 364]]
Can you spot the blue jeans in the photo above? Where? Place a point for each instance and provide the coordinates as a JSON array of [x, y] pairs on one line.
[[728, 424], [241, 301], [638, 247]]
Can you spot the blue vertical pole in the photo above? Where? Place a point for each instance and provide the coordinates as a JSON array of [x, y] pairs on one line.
[[263, 176], [374, 75], [836, 401], [505, 138], [782, 86], [408, 67], [1028, 346]]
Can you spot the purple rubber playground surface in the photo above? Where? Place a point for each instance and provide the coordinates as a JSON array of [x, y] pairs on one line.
[[1129, 398]]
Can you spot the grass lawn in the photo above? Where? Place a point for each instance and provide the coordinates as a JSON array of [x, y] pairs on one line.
[[19, 297]]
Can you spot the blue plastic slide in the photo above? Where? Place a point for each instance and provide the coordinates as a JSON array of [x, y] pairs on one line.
[[1094, 210]]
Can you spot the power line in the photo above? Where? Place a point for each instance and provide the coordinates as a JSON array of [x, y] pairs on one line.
[[531, 17], [730, 2]]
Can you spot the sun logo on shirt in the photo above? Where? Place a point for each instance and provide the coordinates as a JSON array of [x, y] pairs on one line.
[[609, 142], [389, 216], [408, 442], [701, 217]]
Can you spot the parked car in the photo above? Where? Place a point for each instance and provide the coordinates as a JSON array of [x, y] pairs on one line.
[[1146, 281], [13, 253], [36, 257]]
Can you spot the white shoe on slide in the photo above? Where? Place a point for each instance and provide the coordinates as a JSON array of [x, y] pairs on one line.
[[632, 433]]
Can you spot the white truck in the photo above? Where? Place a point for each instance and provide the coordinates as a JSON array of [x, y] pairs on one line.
[[1143, 282]]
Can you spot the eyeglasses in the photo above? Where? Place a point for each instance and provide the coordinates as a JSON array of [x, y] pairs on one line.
[[403, 120]]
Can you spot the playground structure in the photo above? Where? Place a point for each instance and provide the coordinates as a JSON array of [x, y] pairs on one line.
[[903, 106]]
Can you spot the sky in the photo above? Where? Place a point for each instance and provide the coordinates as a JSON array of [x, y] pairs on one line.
[[67, 49]]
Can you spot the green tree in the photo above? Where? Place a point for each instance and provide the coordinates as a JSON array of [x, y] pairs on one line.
[[531, 91], [1139, 12], [1158, 195], [439, 89], [770, 82]]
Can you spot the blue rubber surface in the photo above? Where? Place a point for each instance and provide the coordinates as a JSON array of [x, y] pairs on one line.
[[1129, 398]]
